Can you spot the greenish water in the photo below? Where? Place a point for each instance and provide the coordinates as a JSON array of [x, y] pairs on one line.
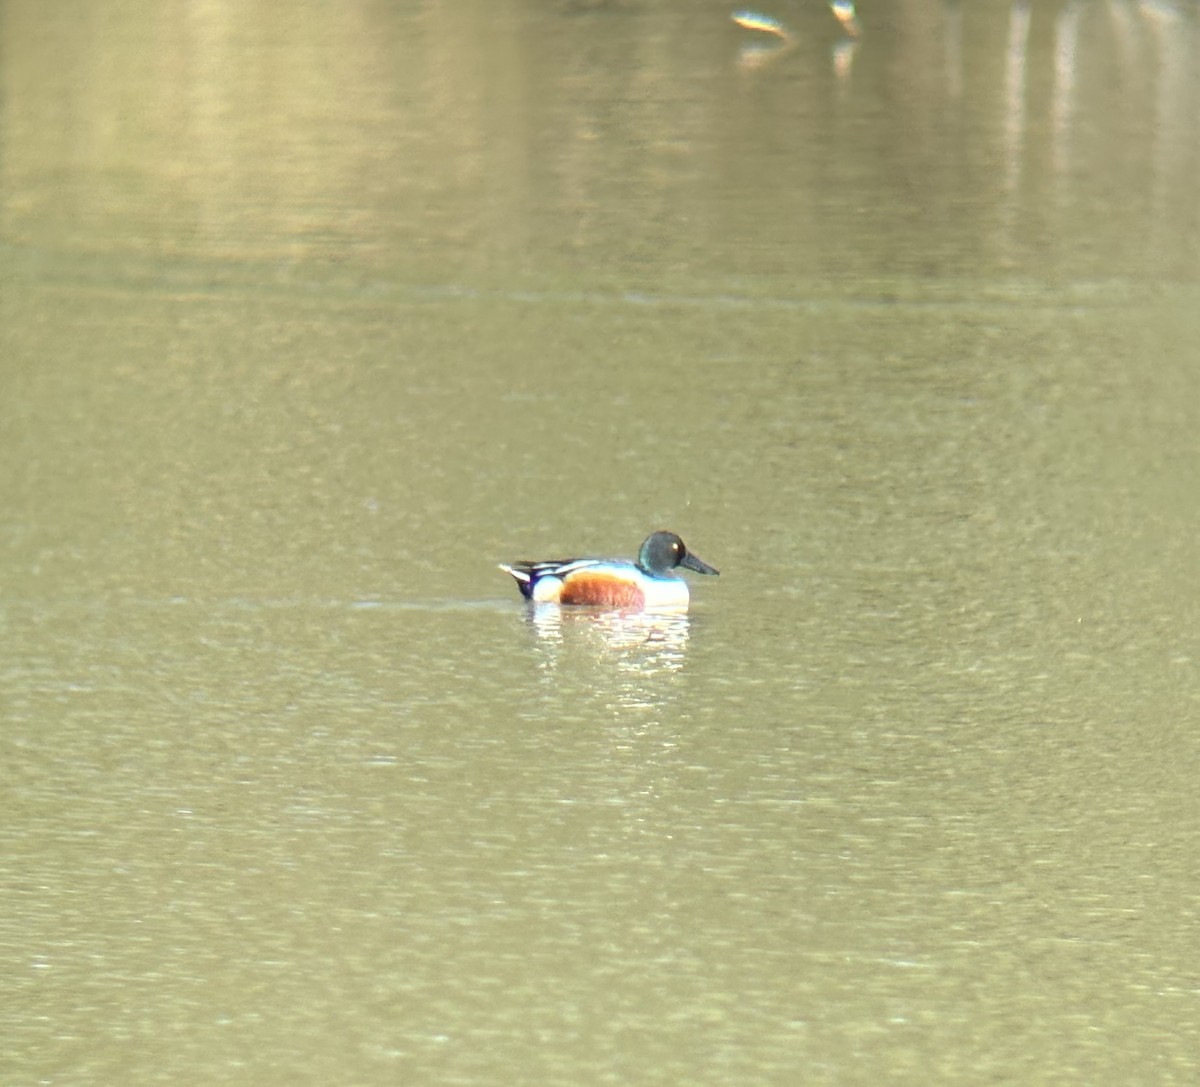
[[308, 322]]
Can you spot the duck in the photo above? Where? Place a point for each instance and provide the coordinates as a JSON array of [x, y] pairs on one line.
[[649, 582]]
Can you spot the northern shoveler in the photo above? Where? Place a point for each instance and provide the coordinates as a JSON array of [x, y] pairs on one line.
[[650, 582]]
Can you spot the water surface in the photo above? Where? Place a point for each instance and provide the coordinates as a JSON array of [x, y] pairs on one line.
[[308, 321]]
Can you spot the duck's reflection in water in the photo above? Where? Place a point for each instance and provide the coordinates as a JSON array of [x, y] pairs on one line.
[[630, 659]]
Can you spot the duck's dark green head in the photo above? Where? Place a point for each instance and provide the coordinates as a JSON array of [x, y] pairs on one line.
[[662, 552]]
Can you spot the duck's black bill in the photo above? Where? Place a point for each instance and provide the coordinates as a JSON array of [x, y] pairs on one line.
[[699, 565]]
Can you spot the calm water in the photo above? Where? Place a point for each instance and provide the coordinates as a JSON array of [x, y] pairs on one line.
[[309, 317]]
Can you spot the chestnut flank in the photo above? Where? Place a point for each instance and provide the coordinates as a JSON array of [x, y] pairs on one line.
[[609, 592]]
